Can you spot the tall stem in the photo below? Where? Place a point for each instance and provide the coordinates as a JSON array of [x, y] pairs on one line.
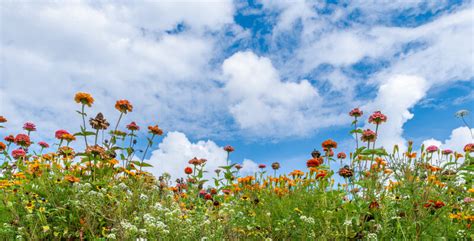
[[146, 149], [84, 124], [355, 129], [467, 125]]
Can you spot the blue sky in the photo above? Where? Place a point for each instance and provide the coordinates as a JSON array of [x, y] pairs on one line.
[[273, 79]]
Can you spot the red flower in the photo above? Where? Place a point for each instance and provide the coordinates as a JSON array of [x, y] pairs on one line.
[[469, 147], [341, 155], [321, 175], [262, 166], [329, 144], [346, 172], [447, 151], [377, 118], [2, 119], [356, 112], [43, 144], [18, 153], [188, 170], [315, 162], [434, 204], [22, 140], [368, 136], [213, 191], [228, 148], [133, 126], [28, 126], [60, 133], [207, 196], [9, 138]]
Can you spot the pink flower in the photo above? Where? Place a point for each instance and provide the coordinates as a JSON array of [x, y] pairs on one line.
[[467, 148], [356, 112], [447, 151], [133, 126], [18, 153], [22, 140], [432, 149], [377, 118], [261, 166], [28, 126], [341, 155], [43, 144], [60, 133], [228, 148], [368, 135]]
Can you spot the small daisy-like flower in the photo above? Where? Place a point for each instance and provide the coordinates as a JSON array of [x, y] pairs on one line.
[[341, 155], [123, 106], [9, 138], [447, 151], [28, 126], [262, 166], [84, 98], [188, 170], [469, 147], [314, 162]]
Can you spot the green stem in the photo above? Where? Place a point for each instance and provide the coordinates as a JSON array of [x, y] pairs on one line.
[[146, 149], [84, 124]]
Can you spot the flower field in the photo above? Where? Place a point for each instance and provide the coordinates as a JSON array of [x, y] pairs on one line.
[[94, 185]]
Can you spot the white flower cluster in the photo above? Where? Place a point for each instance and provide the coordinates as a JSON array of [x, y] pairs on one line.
[[308, 220], [128, 226], [154, 223]]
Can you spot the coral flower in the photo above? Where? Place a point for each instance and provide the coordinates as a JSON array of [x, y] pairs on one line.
[[447, 151], [356, 112], [84, 98], [329, 144], [2, 146], [28, 126], [123, 106], [22, 140], [60, 133], [18, 153], [315, 162], [155, 130], [368, 136], [133, 126], [228, 148], [9, 138], [188, 170], [377, 118], [2, 119], [432, 149], [321, 175], [43, 144], [469, 147], [341, 155], [262, 166]]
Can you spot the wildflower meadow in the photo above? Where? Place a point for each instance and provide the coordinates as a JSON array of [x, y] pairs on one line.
[[93, 184]]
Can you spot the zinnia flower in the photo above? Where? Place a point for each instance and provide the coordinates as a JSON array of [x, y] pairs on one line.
[[133, 126], [262, 166], [2, 146], [432, 149], [43, 144], [329, 144], [368, 136], [346, 172], [9, 138], [84, 98], [28, 126], [447, 151], [188, 170], [60, 133], [341, 155], [2, 119], [228, 148], [99, 122], [434, 204], [315, 162], [356, 112], [469, 147], [321, 175], [68, 137], [275, 166], [377, 118], [123, 106], [18, 153], [155, 130], [22, 140]]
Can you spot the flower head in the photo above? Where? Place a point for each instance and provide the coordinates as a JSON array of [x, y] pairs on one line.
[[84, 98], [9, 138], [275, 166], [341, 155], [368, 136], [18, 153], [3, 147], [155, 130], [28, 126], [43, 144], [377, 118], [188, 170], [2, 119], [262, 166], [469, 147], [133, 126], [462, 113], [329, 144], [228, 148], [99, 122], [123, 106], [22, 140], [356, 112], [60, 133], [314, 162], [447, 151], [432, 149], [238, 166], [68, 137]]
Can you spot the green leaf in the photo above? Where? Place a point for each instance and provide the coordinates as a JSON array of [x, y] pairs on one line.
[[142, 164]]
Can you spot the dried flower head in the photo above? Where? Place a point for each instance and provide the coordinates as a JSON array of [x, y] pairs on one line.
[[275, 166], [238, 166], [84, 98], [99, 122], [123, 106], [346, 172]]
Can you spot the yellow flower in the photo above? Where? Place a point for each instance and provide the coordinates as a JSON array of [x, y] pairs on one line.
[[84, 98], [298, 210], [45, 228]]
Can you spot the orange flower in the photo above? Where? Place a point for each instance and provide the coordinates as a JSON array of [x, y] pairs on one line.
[[68, 137], [155, 130], [315, 162], [84, 98], [329, 144], [123, 106], [410, 155], [71, 179], [2, 119], [2, 146]]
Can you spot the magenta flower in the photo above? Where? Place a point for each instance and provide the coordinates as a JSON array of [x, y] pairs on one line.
[[447, 151], [18, 153], [261, 166], [28, 126], [432, 149], [377, 118], [356, 112], [60, 133], [133, 126], [43, 144]]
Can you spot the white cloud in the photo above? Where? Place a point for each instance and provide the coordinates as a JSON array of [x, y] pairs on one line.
[[249, 167], [395, 98], [457, 140]]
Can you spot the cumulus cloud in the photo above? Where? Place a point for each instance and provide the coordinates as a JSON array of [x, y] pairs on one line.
[[174, 152], [457, 140], [395, 98]]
